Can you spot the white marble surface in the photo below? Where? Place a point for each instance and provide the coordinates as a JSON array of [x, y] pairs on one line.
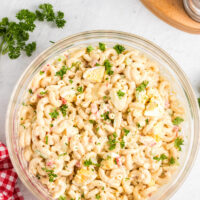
[[127, 15]]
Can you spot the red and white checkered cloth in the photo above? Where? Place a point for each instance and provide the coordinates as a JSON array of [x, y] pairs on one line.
[[8, 177]]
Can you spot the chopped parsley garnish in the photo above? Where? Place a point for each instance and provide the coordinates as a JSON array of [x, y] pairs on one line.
[[61, 198], [63, 109], [177, 120], [178, 142], [23, 126], [108, 67], [61, 72], [171, 161], [88, 162], [120, 94], [71, 81], [102, 46], [126, 131], [30, 91], [119, 48], [92, 121], [97, 129], [142, 86], [112, 141], [46, 139], [138, 125], [89, 49], [147, 121], [198, 101], [98, 196], [80, 89], [62, 154], [162, 157], [51, 174], [51, 125], [54, 114], [122, 143], [51, 41], [105, 116], [43, 92], [38, 176], [97, 64]]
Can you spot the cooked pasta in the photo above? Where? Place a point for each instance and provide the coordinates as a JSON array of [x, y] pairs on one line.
[[101, 123]]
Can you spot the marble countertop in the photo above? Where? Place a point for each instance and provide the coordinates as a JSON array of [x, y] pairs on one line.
[[127, 15]]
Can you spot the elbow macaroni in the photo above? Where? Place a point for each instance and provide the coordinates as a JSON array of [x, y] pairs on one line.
[[91, 133]]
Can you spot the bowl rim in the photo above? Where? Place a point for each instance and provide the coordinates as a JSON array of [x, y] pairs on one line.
[[106, 33]]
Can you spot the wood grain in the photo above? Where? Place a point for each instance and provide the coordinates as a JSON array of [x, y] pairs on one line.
[[172, 12]]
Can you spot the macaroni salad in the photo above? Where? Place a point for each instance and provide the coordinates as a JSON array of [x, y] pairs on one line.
[[101, 122]]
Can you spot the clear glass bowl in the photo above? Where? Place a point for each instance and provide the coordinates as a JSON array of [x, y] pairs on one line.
[[169, 68]]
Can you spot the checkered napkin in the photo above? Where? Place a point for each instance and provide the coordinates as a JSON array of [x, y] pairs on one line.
[[8, 177]]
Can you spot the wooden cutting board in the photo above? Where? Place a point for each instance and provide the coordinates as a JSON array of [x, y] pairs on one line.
[[172, 12]]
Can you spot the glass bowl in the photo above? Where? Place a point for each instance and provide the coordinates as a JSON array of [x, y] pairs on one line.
[[169, 68]]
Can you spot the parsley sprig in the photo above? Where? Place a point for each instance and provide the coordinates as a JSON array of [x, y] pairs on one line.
[[108, 67], [112, 141], [142, 86], [63, 109], [161, 158], [14, 35], [89, 162], [119, 48], [178, 142], [177, 120], [51, 174]]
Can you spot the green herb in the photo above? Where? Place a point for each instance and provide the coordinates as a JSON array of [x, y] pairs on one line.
[[40, 154], [97, 64], [30, 91], [97, 129], [92, 121], [122, 143], [108, 67], [38, 176], [51, 41], [178, 142], [24, 104], [171, 161], [41, 72], [98, 196], [198, 101], [61, 198], [107, 78], [88, 162], [54, 114], [76, 65], [83, 196], [112, 141], [89, 49], [147, 121], [23, 126], [102, 46], [80, 89], [71, 81], [119, 48], [46, 12], [177, 120], [126, 179], [22, 118], [51, 174], [62, 154], [105, 97], [108, 157], [120, 94], [138, 125], [14, 35], [63, 109], [66, 144], [43, 92], [105, 116], [162, 157], [142, 86], [46, 139], [51, 125], [61, 72], [126, 131]]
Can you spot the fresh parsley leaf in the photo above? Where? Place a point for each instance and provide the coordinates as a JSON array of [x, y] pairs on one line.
[[62, 72], [89, 49], [46, 139], [63, 109], [142, 86], [108, 67], [177, 120], [30, 91], [54, 114], [147, 121], [178, 142], [112, 141], [162, 157], [51, 125], [41, 72], [102, 46], [119, 48], [88, 162], [97, 64], [51, 174], [171, 161], [62, 154], [43, 92], [92, 121], [71, 81], [138, 125], [98, 196], [61, 198], [120, 94], [80, 89], [126, 131], [122, 143], [105, 115]]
